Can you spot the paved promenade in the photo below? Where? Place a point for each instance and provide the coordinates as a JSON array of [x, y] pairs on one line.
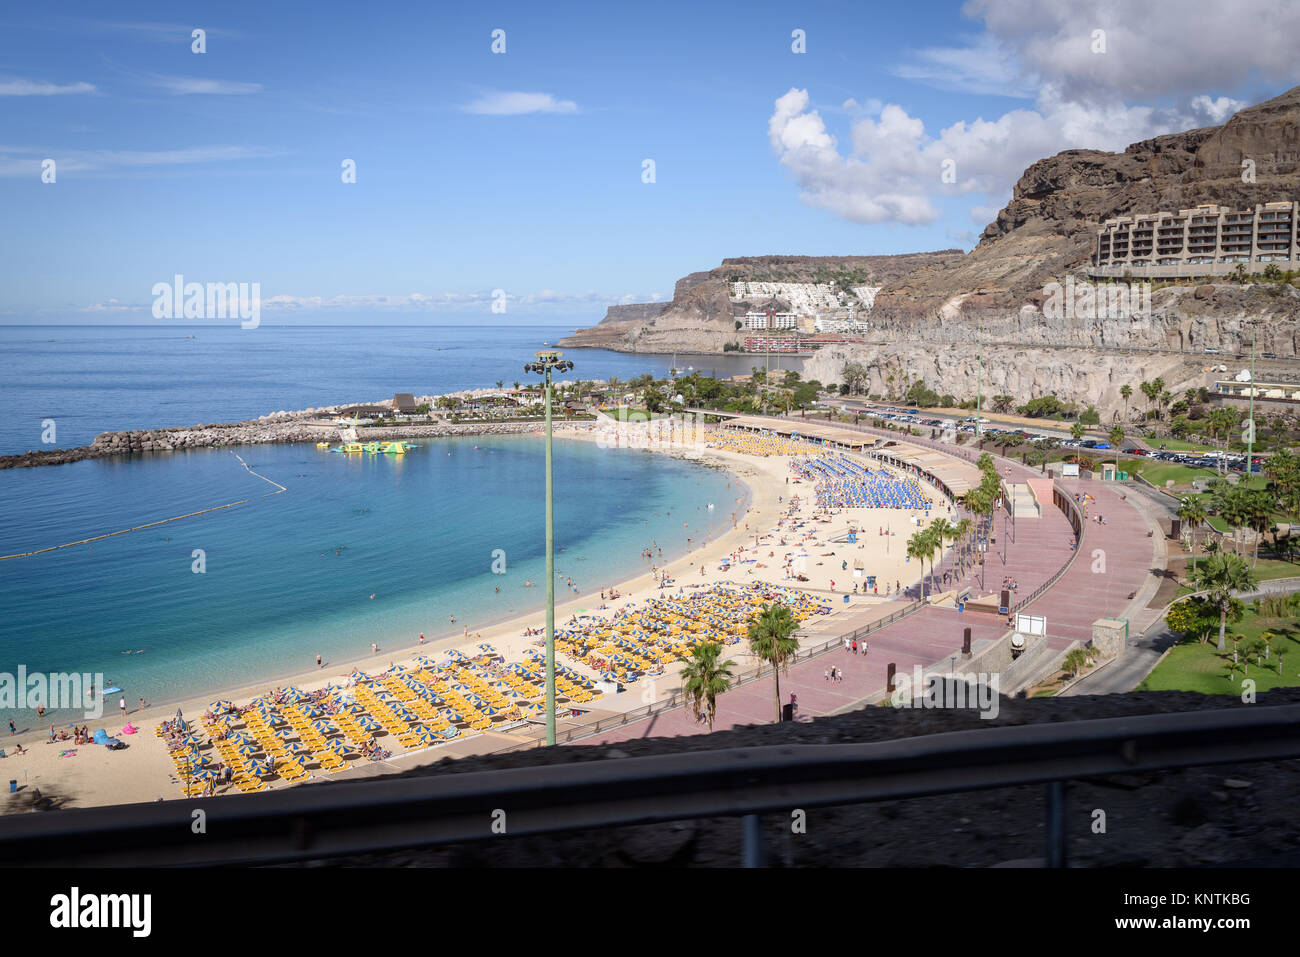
[[1113, 575]]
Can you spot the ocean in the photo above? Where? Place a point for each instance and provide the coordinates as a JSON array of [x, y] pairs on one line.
[[92, 379], [357, 549]]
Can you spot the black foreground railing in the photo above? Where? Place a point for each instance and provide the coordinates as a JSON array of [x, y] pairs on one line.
[[345, 818]]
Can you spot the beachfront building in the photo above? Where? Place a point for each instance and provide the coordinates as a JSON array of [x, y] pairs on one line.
[[1257, 389], [1208, 240], [771, 320]]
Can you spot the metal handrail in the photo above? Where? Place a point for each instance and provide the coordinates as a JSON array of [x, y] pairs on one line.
[[1038, 592], [344, 818]]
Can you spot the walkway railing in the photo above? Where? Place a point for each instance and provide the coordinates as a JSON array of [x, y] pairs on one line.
[[1064, 500], [332, 820]]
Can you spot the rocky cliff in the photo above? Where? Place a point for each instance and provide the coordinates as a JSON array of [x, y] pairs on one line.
[[1048, 230], [999, 294], [701, 316]]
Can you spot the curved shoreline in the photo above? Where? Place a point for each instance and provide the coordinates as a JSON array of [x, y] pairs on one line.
[[403, 651], [142, 774]]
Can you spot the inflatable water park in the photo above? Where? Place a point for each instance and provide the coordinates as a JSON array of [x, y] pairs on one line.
[[367, 448]]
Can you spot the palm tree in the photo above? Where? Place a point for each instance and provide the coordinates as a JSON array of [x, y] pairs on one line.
[[961, 531], [1257, 509], [704, 678], [771, 639], [920, 548], [1193, 515], [1116, 436], [1220, 576], [935, 536], [1125, 392], [1165, 398], [501, 383], [1077, 431]]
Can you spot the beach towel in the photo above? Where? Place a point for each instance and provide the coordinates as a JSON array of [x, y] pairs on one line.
[[68, 754]]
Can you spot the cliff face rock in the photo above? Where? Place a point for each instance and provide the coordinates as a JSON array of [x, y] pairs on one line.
[[1029, 353], [1094, 376], [702, 317]]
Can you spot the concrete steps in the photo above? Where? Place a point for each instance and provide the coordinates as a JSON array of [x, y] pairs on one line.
[[1023, 503]]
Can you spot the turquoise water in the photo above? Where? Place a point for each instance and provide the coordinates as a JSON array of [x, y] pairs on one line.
[[291, 575]]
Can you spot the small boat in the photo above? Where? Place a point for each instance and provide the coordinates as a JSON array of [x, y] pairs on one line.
[[322, 445]]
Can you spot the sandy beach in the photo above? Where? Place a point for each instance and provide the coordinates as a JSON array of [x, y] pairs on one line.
[[756, 548]]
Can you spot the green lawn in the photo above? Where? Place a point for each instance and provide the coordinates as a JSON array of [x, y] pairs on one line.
[[1192, 666], [1266, 570], [1157, 473]]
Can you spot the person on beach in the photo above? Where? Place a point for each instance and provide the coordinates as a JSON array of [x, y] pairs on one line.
[[318, 661], [143, 704], [121, 703], [12, 729], [374, 648], [422, 633]]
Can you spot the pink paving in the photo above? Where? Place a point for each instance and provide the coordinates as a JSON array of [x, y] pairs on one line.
[[1116, 559]]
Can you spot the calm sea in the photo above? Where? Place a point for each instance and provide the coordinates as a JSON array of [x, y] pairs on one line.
[[358, 549], [92, 379]]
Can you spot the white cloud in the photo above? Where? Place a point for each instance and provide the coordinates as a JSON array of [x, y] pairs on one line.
[[184, 86], [19, 87], [894, 170], [26, 160], [449, 301], [982, 67], [890, 169], [1217, 110], [504, 103], [1158, 48]]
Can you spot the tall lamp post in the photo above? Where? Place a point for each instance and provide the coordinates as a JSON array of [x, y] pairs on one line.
[[548, 361]]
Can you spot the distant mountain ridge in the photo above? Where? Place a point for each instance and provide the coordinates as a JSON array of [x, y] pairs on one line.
[[701, 315]]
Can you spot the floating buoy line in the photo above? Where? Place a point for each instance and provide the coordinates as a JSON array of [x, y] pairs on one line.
[[175, 518]]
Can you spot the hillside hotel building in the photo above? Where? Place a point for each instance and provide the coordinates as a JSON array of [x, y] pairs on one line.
[[1208, 240]]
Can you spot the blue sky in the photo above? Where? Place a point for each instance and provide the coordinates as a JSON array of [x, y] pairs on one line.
[[522, 171]]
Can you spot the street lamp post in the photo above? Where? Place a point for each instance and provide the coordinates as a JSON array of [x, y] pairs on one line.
[[549, 360], [1250, 416]]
